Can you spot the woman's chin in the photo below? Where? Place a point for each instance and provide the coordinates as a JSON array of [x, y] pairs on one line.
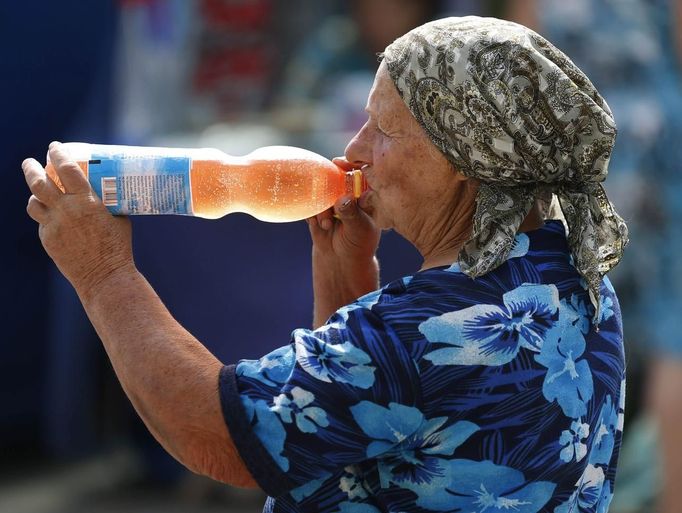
[[366, 203]]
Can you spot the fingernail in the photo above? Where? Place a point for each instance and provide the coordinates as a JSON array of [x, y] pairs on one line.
[[54, 143]]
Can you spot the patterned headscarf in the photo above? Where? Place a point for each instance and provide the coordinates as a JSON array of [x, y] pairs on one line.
[[509, 109]]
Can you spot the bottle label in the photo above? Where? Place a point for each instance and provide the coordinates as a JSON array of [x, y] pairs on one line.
[[142, 185]]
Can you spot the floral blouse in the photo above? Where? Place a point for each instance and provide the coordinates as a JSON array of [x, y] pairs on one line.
[[442, 393]]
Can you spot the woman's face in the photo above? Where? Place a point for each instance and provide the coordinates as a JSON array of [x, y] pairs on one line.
[[409, 178]]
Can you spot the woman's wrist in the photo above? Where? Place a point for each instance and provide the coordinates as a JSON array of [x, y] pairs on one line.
[[354, 276], [97, 282], [336, 285]]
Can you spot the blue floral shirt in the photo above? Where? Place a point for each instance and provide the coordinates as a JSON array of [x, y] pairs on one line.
[[443, 393]]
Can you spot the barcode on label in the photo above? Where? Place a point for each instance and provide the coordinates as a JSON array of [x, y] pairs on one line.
[[109, 192]]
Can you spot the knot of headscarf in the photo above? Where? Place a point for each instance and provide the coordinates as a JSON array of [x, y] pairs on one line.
[[509, 109]]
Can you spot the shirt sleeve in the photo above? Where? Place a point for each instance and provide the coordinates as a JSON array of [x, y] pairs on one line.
[[336, 396]]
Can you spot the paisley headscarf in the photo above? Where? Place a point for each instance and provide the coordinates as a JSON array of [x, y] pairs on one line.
[[508, 108]]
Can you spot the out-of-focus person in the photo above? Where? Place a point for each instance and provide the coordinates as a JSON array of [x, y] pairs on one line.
[[632, 51], [320, 98], [326, 82]]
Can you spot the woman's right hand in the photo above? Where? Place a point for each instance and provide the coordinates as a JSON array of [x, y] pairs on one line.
[[345, 240]]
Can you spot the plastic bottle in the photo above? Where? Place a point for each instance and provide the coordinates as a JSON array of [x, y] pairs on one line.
[[273, 183]]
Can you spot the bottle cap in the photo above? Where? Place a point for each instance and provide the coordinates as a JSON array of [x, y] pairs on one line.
[[359, 182]]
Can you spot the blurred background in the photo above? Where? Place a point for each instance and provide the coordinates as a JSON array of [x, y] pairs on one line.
[[238, 75]]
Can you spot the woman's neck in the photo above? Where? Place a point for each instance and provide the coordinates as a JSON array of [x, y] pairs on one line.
[[447, 251]]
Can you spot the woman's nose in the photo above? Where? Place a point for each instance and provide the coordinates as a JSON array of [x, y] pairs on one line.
[[358, 151]]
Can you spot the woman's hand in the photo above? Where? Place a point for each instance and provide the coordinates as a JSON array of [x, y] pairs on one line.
[[170, 378], [85, 241], [344, 232], [345, 240]]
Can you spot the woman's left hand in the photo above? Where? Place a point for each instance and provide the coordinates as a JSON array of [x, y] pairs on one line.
[[86, 242]]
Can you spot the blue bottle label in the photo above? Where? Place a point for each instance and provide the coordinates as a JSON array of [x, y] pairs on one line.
[[142, 185]]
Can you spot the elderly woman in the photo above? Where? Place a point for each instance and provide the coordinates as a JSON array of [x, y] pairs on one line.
[[490, 380]]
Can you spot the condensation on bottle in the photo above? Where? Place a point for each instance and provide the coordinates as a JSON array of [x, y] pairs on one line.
[[273, 183]]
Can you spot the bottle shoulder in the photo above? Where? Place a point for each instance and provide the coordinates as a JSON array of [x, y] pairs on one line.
[[286, 153], [82, 151]]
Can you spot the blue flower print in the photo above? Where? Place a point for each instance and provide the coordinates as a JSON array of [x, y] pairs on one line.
[[606, 311], [356, 507], [520, 247], [366, 301], [621, 406], [484, 487], [572, 441], [568, 380], [387, 426], [604, 436], [344, 363], [268, 428], [583, 309], [415, 464], [590, 487], [306, 490], [492, 334], [605, 498], [588, 493], [308, 418], [581, 281], [351, 484], [272, 369], [454, 268]]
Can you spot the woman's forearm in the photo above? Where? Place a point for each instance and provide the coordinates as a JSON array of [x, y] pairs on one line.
[[335, 286], [169, 376]]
